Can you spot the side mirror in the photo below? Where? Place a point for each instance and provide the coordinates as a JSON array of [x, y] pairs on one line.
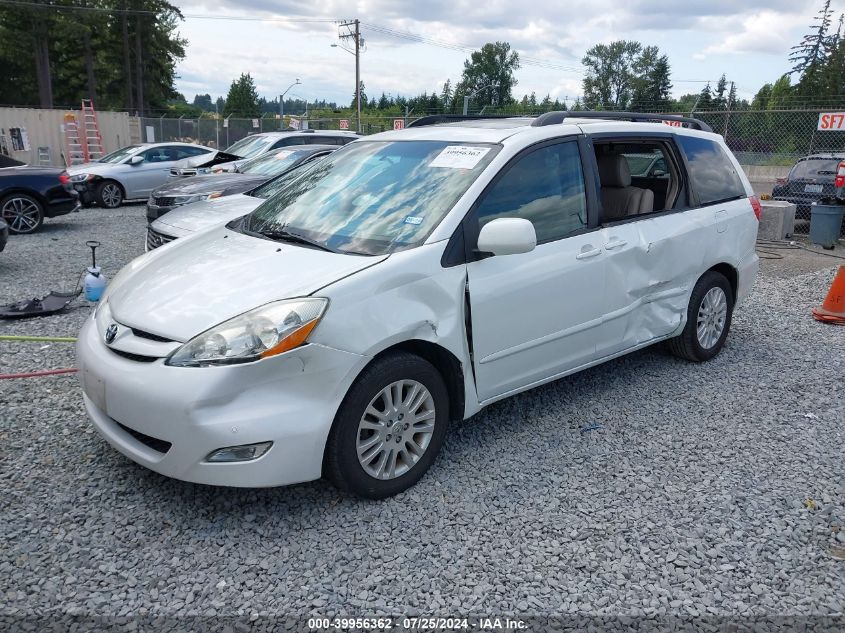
[[507, 236], [136, 160]]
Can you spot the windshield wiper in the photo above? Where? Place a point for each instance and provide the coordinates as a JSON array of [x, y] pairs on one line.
[[284, 235]]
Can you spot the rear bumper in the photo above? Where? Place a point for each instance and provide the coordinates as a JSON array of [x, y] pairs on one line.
[[4, 237], [746, 276]]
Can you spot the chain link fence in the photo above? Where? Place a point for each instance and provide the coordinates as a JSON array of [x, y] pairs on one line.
[[767, 143]]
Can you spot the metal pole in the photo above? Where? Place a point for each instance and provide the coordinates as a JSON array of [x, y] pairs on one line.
[[180, 127], [358, 70], [728, 113], [466, 104], [282, 111], [161, 126]]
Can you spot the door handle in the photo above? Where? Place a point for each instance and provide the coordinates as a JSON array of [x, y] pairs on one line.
[[587, 252], [615, 244]]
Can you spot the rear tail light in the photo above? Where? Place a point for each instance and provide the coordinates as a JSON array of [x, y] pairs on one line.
[[840, 175], [64, 178], [755, 205]]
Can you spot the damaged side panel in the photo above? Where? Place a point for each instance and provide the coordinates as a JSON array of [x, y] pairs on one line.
[[374, 312]]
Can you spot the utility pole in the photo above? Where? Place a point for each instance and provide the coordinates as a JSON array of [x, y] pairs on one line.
[[728, 113], [356, 35]]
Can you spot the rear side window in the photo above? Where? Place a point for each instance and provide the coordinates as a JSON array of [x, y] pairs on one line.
[[712, 173]]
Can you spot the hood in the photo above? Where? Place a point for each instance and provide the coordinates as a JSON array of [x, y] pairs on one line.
[[227, 183], [205, 160], [186, 287], [32, 170], [91, 168], [205, 214]]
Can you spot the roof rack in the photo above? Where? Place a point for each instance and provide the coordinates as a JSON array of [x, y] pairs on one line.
[[554, 118], [434, 119]]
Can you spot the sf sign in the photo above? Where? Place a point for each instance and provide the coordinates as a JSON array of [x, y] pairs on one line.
[[831, 121], [344, 124]]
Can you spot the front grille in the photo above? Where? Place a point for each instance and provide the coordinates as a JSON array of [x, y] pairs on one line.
[[156, 239], [138, 358], [165, 201], [160, 446], [151, 337], [181, 173]]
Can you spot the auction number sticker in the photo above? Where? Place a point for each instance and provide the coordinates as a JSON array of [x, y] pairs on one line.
[[459, 157], [831, 121]]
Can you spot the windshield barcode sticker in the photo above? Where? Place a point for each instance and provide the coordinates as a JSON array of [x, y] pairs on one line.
[[459, 157], [283, 154]]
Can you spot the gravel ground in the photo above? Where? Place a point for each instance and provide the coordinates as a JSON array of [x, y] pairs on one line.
[[702, 490]]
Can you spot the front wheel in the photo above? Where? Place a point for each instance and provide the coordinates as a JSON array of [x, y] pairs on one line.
[[109, 194], [23, 213], [708, 319], [389, 427]]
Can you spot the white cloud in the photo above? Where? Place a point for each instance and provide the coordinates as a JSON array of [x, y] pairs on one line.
[[763, 32]]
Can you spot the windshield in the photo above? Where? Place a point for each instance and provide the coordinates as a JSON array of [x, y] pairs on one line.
[[272, 163], [119, 155], [824, 168], [249, 146], [374, 197]]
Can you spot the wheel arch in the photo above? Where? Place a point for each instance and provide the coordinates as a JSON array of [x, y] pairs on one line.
[[29, 192], [104, 179], [444, 361], [730, 273]]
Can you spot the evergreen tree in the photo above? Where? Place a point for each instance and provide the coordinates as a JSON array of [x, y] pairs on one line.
[[203, 102], [651, 84], [446, 94], [705, 98], [242, 100], [719, 97], [813, 47]]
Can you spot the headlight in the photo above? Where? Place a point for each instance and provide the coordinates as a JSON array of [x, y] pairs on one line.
[[81, 177], [180, 200], [266, 331]]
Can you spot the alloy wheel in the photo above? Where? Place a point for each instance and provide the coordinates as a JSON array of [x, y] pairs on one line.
[[396, 429], [712, 315], [111, 196], [21, 214]]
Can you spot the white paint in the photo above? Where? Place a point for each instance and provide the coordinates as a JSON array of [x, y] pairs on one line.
[[536, 316]]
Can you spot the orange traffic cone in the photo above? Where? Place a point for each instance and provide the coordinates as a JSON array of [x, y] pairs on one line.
[[833, 308]]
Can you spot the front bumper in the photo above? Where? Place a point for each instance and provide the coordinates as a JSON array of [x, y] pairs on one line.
[[154, 211], [291, 400], [4, 236]]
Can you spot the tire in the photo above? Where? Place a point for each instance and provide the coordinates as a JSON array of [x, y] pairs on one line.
[[356, 426], [109, 194], [701, 344], [23, 213]]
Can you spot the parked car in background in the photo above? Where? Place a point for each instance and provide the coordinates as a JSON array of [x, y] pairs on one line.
[[4, 233], [810, 179], [197, 216], [130, 173], [252, 173], [407, 282], [30, 194], [255, 145]]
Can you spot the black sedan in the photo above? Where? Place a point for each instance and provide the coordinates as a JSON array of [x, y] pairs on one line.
[[182, 191], [4, 234], [30, 194]]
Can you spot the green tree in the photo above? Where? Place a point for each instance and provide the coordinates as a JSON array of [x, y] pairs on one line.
[[446, 94], [490, 72], [242, 100], [610, 74], [719, 96], [813, 47], [651, 84], [204, 102]]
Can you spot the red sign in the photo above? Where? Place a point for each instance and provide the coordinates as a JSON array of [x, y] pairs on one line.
[[398, 124], [344, 124], [673, 123], [831, 121]]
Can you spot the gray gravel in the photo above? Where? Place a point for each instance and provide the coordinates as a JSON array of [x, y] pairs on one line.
[[703, 490]]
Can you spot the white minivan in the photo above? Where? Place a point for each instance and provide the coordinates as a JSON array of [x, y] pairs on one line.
[[410, 279]]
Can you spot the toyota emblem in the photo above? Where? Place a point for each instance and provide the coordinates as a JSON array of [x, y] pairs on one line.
[[111, 332]]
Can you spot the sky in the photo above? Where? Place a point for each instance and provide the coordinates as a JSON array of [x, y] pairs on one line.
[[280, 41]]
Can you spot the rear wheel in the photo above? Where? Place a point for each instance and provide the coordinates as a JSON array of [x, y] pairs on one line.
[[389, 428], [23, 213], [109, 194], [708, 319]]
